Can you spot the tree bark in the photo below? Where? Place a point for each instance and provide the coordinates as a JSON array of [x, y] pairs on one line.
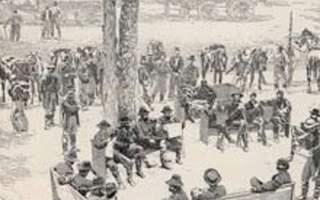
[[108, 86], [126, 70]]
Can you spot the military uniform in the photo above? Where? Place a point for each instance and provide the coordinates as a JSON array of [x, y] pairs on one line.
[[191, 73], [83, 76], [145, 82], [175, 187], [81, 184], [219, 65], [55, 20], [280, 74], [176, 66], [70, 118], [15, 22], [67, 74], [277, 180], [162, 77], [46, 17], [241, 68], [49, 86]]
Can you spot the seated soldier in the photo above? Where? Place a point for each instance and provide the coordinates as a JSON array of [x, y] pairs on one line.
[[80, 182], [255, 115], [97, 190], [277, 180], [236, 113], [205, 92], [215, 191], [65, 169], [173, 143], [211, 113], [145, 131]]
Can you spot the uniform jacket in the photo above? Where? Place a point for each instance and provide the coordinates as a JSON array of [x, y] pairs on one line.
[[213, 193], [125, 137], [144, 130], [236, 110], [46, 15], [143, 74], [14, 20], [281, 60], [49, 83], [70, 109], [283, 106], [253, 109], [277, 180], [81, 184], [313, 141], [176, 64]]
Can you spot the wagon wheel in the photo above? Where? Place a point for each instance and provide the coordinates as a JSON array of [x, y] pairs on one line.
[[241, 9], [207, 10]]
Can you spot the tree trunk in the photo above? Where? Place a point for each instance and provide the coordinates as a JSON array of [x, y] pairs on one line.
[[126, 70], [108, 86]]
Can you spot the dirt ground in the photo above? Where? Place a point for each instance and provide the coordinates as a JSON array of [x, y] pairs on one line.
[[25, 160]]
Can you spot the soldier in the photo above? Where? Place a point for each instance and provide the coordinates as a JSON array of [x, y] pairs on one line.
[[206, 59], [281, 62], [205, 92], [176, 66], [215, 191], [18, 95], [83, 76], [125, 145], [46, 18], [65, 169], [80, 182], [211, 112], [255, 114], [55, 20], [312, 165], [277, 180], [97, 189], [236, 112], [219, 65], [163, 70], [70, 117], [104, 139], [174, 143], [144, 80], [191, 73], [66, 71], [49, 88], [15, 22], [175, 187], [146, 136], [281, 115]]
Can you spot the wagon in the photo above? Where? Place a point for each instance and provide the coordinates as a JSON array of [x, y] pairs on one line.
[[207, 9]]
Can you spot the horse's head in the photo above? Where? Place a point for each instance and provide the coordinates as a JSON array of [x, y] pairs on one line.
[[306, 38]]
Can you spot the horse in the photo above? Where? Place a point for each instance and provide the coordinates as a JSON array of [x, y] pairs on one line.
[[258, 63], [311, 42]]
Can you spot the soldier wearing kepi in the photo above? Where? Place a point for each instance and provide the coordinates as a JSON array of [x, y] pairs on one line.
[[311, 168], [125, 145], [281, 115], [191, 73], [49, 88], [175, 187], [236, 112], [70, 117], [277, 180], [215, 191], [176, 66], [174, 143], [146, 136]]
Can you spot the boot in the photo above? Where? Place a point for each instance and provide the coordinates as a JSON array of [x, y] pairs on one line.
[[131, 181], [150, 164], [161, 97], [304, 193], [121, 185]]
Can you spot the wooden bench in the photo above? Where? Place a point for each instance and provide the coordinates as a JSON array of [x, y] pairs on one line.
[[63, 192], [286, 192]]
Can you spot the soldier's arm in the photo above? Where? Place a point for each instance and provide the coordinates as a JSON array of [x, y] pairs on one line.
[[317, 147]]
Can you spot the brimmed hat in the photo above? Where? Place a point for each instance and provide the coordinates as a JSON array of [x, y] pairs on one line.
[[143, 110], [85, 166], [71, 156], [98, 183], [103, 123], [280, 92], [283, 164], [315, 111], [192, 58], [175, 180], [237, 94], [111, 188], [212, 176], [253, 94], [166, 109]]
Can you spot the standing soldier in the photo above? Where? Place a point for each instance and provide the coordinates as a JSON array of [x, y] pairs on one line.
[[18, 117], [191, 72], [46, 18], [176, 66], [163, 70], [125, 145], [55, 20], [281, 115], [236, 112], [66, 71], [15, 22], [280, 73], [83, 76], [144, 80], [70, 118], [219, 65], [206, 58], [49, 86]]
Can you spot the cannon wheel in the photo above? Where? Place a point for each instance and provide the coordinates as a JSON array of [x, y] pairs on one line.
[[241, 9], [207, 10]]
